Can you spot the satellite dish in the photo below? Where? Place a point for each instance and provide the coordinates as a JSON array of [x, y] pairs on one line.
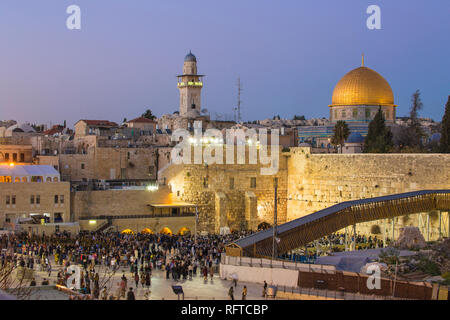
[[205, 111]]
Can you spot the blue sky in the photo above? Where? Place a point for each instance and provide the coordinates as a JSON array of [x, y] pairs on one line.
[[288, 53]]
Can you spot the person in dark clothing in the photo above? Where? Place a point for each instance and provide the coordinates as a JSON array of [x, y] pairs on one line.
[[136, 279], [130, 294], [231, 293]]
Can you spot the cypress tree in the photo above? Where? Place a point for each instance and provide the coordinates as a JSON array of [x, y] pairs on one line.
[[379, 136], [445, 129], [340, 134]]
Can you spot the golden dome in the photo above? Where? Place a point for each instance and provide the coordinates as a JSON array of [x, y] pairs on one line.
[[362, 86]]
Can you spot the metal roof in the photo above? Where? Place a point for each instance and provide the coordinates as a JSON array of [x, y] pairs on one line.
[[27, 170], [268, 233], [172, 205]]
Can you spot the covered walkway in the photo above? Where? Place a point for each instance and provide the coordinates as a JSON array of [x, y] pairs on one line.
[[299, 232]]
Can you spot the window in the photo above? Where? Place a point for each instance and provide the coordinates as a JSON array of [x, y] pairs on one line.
[[61, 199], [205, 182], [231, 183], [38, 199], [6, 157], [56, 199], [13, 200], [343, 114], [22, 157], [58, 218], [252, 182], [82, 166], [32, 199], [151, 170], [8, 200], [355, 113], [14, 157], [367, 113]]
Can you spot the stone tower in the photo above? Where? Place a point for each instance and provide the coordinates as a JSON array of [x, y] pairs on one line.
[[190, 85]]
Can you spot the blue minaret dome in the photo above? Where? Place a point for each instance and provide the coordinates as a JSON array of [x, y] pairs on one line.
[[190, 57]]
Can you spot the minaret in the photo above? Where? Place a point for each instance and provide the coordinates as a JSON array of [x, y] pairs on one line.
[[190, 85]]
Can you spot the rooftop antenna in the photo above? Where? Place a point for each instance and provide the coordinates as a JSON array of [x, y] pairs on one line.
[[362, 64], [238, 108]]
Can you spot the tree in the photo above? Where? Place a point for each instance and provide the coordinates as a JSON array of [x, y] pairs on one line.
[[340, 134], [445, 130], [296, 117], [410, 136], [379, 137], [148, 114]]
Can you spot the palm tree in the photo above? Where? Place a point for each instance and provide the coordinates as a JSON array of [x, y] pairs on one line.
[[340, 134]]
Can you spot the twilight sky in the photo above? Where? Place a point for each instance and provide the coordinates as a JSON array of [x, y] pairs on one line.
[[289, 54]]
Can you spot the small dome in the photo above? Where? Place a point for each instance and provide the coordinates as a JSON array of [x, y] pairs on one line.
[[24, 127], [190, 57], [355, 137], [304, 144], [435, 137]]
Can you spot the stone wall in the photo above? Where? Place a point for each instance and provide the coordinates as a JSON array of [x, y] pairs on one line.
[[317, 181], [113, 163], [220, 190], [307, 183], [116, 202]]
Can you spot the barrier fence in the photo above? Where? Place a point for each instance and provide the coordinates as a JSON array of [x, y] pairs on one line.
[[325, 281]]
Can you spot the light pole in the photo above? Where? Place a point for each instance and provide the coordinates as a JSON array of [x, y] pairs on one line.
[[274, 222], [196, 220]]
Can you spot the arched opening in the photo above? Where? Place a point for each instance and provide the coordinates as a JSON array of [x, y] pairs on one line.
[[166, 231], [16, 179], [264, 225], [127, 231], [48, 179], [147, 231], [24, 179], [55, 179], [184, 231]]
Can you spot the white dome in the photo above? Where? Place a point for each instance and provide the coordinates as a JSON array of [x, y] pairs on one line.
[[22, 127]]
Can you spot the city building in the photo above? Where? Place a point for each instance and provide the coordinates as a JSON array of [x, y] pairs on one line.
[[32, 194]]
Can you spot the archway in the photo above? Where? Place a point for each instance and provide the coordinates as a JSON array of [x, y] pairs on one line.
[[184, 231], [127, 231], [147, 231], [264, 225], [166, 231]]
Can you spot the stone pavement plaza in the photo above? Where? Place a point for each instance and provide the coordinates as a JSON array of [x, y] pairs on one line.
[[197, 288]]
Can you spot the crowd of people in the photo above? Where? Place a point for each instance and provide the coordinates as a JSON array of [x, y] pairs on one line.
[[180, 257], [98, 257]]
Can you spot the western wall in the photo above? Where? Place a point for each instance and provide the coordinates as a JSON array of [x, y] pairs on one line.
[[306, 183]]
